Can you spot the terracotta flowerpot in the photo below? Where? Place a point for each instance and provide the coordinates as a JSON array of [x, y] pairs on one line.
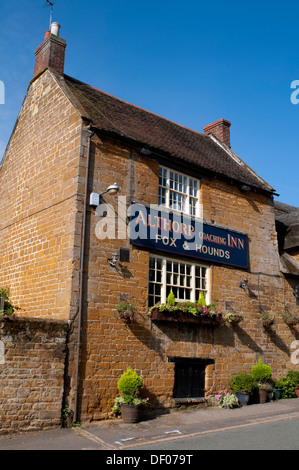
[[297, 392], [263, 394], [131, 413]]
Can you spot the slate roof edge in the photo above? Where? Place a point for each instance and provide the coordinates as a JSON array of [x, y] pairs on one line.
[[84, 115]]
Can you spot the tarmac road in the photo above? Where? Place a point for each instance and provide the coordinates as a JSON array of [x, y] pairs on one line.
[[273, 425], [280, 435]]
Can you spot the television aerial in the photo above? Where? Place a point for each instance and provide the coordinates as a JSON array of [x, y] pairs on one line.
[[51, 5]]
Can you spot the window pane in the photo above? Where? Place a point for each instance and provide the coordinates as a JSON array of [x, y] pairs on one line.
[[157, 290], [178, 279], [162, 196], [155, 284], [174, 190], [162, 177], [151, 275]]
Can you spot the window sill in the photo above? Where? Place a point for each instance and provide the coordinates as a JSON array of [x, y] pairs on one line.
[[189, 400]]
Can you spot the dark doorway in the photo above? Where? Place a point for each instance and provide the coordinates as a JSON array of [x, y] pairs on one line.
[[190, 377]]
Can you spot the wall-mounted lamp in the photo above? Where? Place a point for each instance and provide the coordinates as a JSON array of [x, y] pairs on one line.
[[296, 294], [243, 284], [95, 198], [245, 187], [145, 151], [114, 259]]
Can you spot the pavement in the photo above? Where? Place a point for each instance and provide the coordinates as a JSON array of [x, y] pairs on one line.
[[115, 436]]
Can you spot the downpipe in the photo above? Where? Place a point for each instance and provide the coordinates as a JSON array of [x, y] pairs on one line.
[[83, 237]]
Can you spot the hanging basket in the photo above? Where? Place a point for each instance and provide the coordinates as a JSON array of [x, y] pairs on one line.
[[290, 320]]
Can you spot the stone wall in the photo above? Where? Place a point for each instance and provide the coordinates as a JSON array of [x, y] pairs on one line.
[[32, 360], [110, 345], [38, 192]]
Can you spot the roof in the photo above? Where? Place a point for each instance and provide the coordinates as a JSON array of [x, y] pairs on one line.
[[119, 118], [288, 265], [287, 221]]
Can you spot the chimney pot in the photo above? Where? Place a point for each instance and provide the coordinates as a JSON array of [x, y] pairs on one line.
[[221, 130], [55, 29], [51, 52]]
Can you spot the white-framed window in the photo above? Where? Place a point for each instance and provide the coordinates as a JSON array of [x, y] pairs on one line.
[[178, 191], [186, 280]]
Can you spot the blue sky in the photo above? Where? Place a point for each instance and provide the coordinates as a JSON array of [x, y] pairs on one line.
[[192, 62]]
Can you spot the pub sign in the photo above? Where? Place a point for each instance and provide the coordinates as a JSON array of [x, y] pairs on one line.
[[175, 233]]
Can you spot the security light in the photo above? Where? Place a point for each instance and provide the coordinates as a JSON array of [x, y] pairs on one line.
[[243, 284], [95, 198], [114, 260], [113, 189]]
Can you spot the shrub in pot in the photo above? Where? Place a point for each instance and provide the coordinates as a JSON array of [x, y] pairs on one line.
[[294, 376], [287, 386], [262, 374], [128, 404], [242, 385]]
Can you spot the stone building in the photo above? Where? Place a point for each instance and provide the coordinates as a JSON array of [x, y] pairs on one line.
[[69, 258]]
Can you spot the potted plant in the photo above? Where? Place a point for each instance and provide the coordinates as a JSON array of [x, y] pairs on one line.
[[262, 374], [269, 387], [277, 391], [129, 403], [287, 387], [126, 310], [290, 317], [233, 318], [293, 375], [242, 385], [266, 319], [227, 400]]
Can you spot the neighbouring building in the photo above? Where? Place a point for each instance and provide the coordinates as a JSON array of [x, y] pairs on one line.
[[69, 259]]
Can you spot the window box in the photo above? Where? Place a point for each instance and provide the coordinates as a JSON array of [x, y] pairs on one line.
[[176, 315]]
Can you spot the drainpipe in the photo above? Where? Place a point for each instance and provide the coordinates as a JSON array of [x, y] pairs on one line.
[[82, 275]]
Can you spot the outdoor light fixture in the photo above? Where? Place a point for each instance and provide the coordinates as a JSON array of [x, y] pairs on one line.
[[296, 294], [244, 284], [245, 187], [95, 198], [145, 151], [114, 259]]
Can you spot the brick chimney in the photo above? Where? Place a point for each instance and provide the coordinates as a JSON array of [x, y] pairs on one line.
[[221, 129], [51, 52]]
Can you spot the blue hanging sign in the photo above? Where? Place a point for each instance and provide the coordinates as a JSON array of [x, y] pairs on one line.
[[176, 233]]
